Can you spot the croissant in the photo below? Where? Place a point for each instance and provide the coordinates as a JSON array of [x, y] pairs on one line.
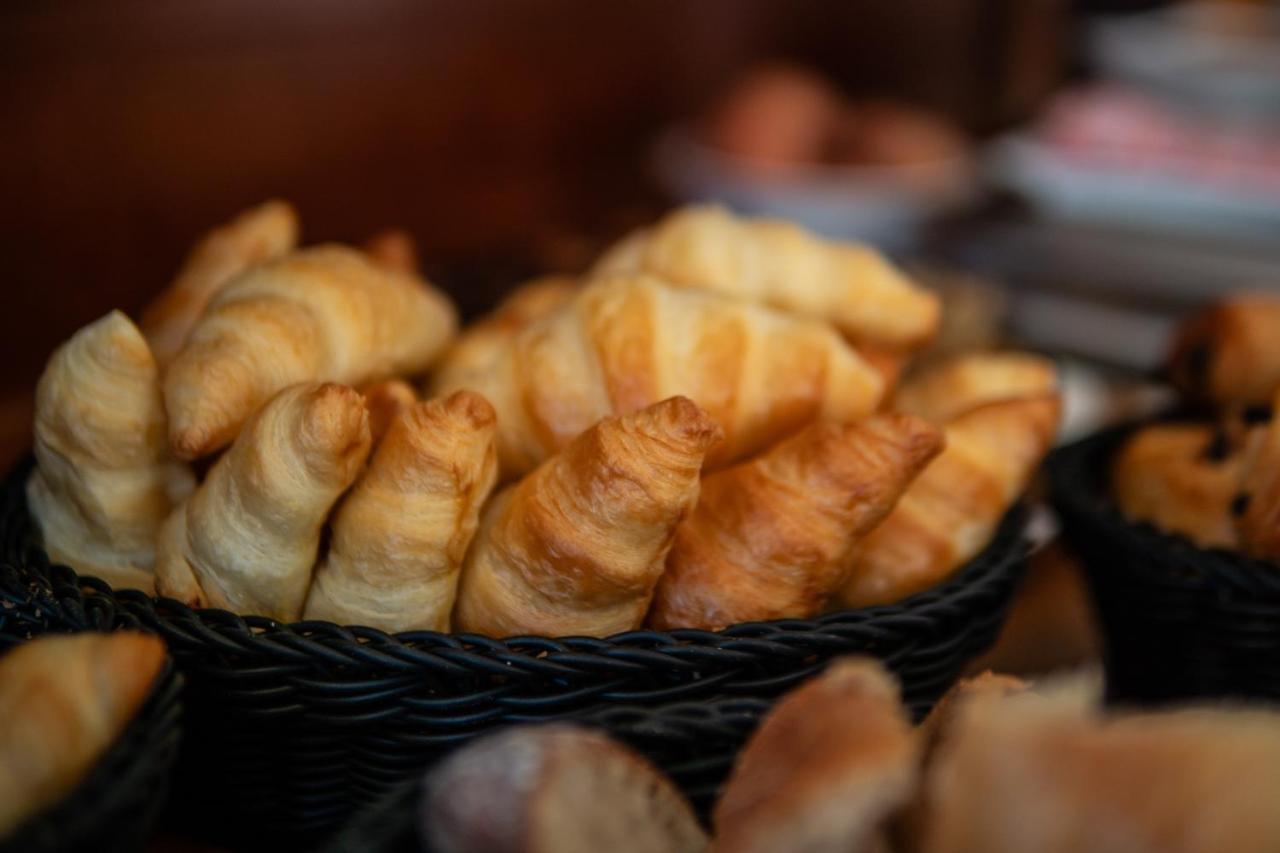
[[952, 509], [778, 263], [104, 480], [400, 535], [322, 314], [1256, 505], [247, 538], [625, 343], [1172, 476], [393, 250], [966, 381], [577, 546], [1031, 772], [826, 769], [472, 355], [1230, 352], [386, 401], [64, 701], [255, 236], [771, 538]]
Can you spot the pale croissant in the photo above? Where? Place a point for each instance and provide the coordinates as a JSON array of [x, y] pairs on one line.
[[247, 538], [772, 538], [966, 381], [853, 286], [400, 535], [321, 314], [577, 546], [104, 480], [624, 343], [255, 236], [952, 509]]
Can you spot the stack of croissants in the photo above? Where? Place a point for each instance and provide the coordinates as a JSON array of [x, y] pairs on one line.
[[1213, 475], [707, 428], [998, 766]]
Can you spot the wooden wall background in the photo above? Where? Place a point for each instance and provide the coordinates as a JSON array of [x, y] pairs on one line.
[[484, 127]]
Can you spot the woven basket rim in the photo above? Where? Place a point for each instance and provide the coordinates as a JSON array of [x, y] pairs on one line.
[[1078, 473], [145, 751], [1007, 545]]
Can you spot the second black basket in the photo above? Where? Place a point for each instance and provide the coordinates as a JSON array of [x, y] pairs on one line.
[[1179, 622], [292, 727]]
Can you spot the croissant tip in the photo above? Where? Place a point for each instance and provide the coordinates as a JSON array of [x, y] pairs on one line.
[[189, 444], [683, 417], [471, 408]]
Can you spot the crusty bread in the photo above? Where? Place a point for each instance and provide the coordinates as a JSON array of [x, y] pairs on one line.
[[826, 769], [554, 789]]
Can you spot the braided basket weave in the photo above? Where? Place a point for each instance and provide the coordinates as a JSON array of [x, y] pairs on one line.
[[115, 808], [291, 727], [1179, 621]]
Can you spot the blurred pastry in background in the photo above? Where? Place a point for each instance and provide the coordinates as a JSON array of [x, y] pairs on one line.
[[884, 132]]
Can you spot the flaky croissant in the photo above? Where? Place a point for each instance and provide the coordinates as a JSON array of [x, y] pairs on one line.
[[247, 538], [104, 481], [577, 546], [1229, 352], [1172, 476], [472, 355], [64, 701], [624, 343], [778, 263], [963, 382], [772, 538], [952, 509], [400, 535], [255, 236], [386, 401], [321, 314]]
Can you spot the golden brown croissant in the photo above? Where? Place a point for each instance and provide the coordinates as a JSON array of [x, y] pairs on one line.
[[625, 343], [247, 538], [322, 314], [555, 788], [1172, 476], [963, 382], [577, 546], [386, 401], [400, 535], [1229, 352], [1031, 772], [952, 509], [826, 769], [471, 356], [394, 250], [104, 480], [64, 701], [771, 538], [255, 236], [778, 263], [1256, 505]]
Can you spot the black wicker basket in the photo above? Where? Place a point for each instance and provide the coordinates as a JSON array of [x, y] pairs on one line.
[[695, 744], [116, 807], [1179, 622], [292, 727]]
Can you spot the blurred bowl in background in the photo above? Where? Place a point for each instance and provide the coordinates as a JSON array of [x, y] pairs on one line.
[[886, 205]]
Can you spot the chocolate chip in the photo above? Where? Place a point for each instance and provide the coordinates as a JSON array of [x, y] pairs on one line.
[[1240, 504], [1259, 413], [1217, 449]]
